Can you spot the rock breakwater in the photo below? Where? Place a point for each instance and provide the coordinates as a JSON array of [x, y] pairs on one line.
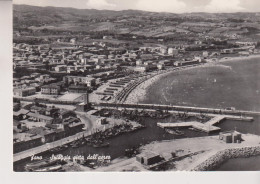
[[224, 155]]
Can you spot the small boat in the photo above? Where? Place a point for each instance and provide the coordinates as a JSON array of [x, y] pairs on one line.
[[231, 108], [179, 132], [174, 132], [196, 130], [91, 165], [39, 164], [49, 169], [100, 145], [75, 144], [53, 150]]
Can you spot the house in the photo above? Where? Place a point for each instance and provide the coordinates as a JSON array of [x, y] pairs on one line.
[[37, 109], [227, 51], [75, 128], [17, 126], [205, 54], [40, 117], [77, 89], [16, 106], [160, 66], [146, 56], [244, 53], [67, 114], [172, 51], [24, 141], [101, 121], [139, 62], [166, 62], [60, 68], [52, 111], [177, 63], [197, 58], [51, 89], [73, 40], [90, 81], [141, 68], [23, 92], [147, 63], [21, 114], [230, 137], [148, 158]]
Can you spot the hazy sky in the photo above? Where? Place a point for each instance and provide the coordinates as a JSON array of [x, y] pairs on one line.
[[174, 6]]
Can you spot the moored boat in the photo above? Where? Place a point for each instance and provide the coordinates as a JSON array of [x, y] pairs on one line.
[[41, 163], [49, 169], [100, 145]]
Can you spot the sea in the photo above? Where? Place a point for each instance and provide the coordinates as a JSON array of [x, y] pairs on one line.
[[226, 84]]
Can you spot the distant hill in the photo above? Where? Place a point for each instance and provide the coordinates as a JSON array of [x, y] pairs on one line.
[[142, 23]]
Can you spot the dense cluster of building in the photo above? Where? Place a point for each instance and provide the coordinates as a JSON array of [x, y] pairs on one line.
[[36, 124]]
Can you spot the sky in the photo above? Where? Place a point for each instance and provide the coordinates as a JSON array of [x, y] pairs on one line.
[[172, 6]]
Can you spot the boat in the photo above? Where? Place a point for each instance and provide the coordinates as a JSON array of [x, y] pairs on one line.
[[59, 148], [194, 129], [174, 132], [100, 145], [179, 132], [230, 108], [39, 164], [75, 145], [49, 169]]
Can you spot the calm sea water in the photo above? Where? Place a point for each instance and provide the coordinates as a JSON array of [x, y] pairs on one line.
[[235, 84], [231, 84], [241, 164]]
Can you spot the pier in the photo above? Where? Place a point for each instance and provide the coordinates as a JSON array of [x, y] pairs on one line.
[[205, 127], [193, 124]]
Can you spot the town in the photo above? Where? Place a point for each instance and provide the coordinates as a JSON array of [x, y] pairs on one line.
[[71, 87]]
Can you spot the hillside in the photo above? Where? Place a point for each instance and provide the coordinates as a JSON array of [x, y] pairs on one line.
[[39, 21]]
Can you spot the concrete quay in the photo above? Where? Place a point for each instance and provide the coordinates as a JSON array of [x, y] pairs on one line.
[[193, 124], [30, 152], [186, 109], [205, 127]]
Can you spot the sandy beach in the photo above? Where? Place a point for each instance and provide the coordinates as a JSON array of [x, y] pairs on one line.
[[138, 94]]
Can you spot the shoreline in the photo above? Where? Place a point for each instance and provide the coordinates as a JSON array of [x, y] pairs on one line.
[[138, 94]]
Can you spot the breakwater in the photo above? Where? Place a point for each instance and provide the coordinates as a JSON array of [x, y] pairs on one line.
[[220, 157], [176, 108]]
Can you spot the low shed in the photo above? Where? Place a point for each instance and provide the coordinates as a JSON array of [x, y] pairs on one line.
[[148, 158]]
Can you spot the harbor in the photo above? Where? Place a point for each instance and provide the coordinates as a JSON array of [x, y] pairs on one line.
[[190, 153], [115, 146], [79, 139]]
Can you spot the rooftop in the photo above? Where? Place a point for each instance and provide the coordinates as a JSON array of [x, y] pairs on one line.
[[40, 116], [148, 154]]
